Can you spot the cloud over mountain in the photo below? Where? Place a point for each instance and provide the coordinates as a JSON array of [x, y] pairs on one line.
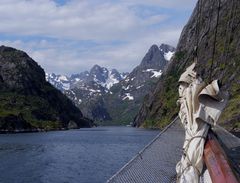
[[70, 35]]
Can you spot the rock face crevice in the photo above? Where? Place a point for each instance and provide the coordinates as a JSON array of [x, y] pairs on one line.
[[27, 100], [214, 29]]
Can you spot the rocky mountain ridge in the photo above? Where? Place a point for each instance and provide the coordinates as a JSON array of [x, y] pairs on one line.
[[28, 101], [126, 97], [100, 75], [111, 97], [87, 89]]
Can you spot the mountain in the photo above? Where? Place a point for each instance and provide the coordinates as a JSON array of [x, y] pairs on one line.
[[125, 98], [87, 89], [98, 75], [213, 34], [28, 101], [88, 93], [110, 97], [61, 82]]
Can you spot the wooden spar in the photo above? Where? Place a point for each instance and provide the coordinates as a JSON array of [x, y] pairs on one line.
[[217, 163]]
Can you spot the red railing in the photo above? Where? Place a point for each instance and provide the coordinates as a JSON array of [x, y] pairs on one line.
[[217, 162]]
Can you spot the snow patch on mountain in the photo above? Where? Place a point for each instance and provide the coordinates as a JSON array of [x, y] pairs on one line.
[[127, 79], [111, 80], [139, 87], [168, 55], [94, 91], [156, 74], [126, 88], [62, 78], [66, 86], [124, 75], [128, 96], [61, 82]]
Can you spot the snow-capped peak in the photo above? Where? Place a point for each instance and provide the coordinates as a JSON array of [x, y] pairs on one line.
[[61, 82], [168, 55], [62, 78], [167, 50], [105, 77], [111, 80], [101, 76]]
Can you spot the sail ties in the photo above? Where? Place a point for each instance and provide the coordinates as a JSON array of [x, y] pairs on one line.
[[201, 105]]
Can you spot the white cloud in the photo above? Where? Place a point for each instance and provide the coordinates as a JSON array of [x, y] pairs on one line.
[[67, 58], [176, 4], [76, 20], [77, 23]]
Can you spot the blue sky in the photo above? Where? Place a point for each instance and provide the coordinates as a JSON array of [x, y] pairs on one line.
[[70, 36]]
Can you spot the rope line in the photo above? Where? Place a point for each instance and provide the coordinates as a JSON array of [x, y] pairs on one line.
[[229, 30], [187, 157], [209, 23], [215, 40], [197, 30]]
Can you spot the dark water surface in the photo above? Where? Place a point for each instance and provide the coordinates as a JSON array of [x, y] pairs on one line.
[[81, 156]]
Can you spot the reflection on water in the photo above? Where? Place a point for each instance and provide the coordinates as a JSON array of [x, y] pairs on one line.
[[81, 156]]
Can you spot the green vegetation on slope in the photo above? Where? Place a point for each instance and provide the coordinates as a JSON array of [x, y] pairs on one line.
[[167, 110], [34, 110], [223, 64], [27, 101]]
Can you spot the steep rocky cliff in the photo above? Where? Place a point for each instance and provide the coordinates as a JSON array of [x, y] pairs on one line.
[[213, 34], [27, 101]]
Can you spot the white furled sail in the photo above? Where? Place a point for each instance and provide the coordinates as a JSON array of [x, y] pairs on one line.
[[200, 106]]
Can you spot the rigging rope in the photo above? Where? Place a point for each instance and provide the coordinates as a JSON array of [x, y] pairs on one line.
[[229, 30], [197, 30], [194, 52], [215, 40], [210, 14]]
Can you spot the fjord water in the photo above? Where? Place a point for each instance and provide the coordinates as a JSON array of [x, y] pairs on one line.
[[74, 156]]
